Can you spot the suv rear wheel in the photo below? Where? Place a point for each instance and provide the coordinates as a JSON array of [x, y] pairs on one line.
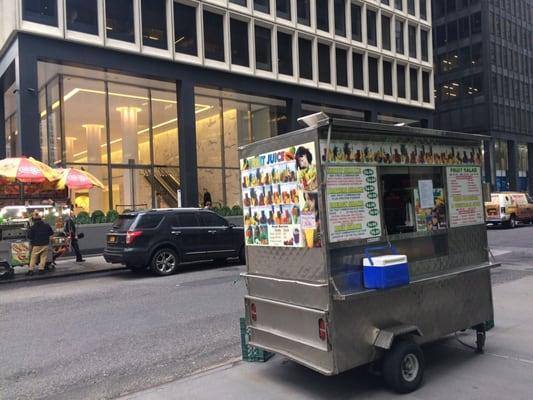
[[164, 262]]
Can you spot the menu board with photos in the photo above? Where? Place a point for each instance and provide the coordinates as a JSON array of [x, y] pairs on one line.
[[280, 198], [465, 196], [352, 202]]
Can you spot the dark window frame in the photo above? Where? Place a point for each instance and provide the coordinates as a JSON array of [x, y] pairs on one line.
[[38, 17], [341, 66], [90, 24], [324, 70], [147, 36], [266, 64], [192, 48], [124, 35], [240, 54], [308, 62], [215, 36], [289, 71]]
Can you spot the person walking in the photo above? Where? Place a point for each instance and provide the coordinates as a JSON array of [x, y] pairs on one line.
[[70, 230], [39, 236], [207, 197]]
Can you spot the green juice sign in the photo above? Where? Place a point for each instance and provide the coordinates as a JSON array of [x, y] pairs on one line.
[[352, 202]]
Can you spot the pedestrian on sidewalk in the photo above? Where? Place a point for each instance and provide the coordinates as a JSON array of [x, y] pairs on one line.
[[39, 235], [70, 230]]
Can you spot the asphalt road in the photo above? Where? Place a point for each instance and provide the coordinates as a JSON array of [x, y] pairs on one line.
[[110, 334], [106, 335]]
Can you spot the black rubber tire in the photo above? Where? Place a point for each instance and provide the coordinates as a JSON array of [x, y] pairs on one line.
[[512, 222], [158, 259], [242, 255], [393, 363]]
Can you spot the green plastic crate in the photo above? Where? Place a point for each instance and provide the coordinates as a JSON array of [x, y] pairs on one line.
[[251, 353]]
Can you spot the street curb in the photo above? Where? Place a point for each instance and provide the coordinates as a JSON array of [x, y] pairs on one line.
[[51, 276]]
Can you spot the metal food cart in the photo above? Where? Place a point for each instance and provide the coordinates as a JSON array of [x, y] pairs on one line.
[[318, 199]]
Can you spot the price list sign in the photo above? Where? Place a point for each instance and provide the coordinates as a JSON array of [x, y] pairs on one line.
[[465, 196], [352, 202]]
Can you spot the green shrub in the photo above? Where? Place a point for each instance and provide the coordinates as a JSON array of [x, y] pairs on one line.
[[112, 216], [236, 210], [83, 218], [98, 217]]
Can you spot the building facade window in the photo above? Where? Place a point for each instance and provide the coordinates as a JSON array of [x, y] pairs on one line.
[[262, 5], [283, 9], [464, 27], [119, 20], [412, 40], [358, 71], [239, 2], [303, 10], [341, 63], [340, 17], [413, 77], [400, 77], [322, 15], [239, 42], [40, 11], [154, 23], [230, 120], [305, 58], [122, 131], [324, 63], [373, 84], [452, 34], [411, 7], [263, 48], [424, 44], [82, 16], [371, 32], [385, 32], [425, 87], [398, 4], [399, 37], [475, 23], [185, 29], [213, 36], [357, 33], [387, 78], [440, 36], [423, 10], [285, 53]]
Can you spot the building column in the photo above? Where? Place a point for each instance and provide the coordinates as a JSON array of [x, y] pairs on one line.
[[512, 173], [530, 168], [94, 156], [2, 123], [28, 104], [488, 163], [130, 149], [294, 111], [187, 143]]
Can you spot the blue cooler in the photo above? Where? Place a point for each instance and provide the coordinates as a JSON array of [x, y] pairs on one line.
[[385, 271]]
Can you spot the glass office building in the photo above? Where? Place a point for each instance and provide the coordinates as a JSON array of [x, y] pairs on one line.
[[484, 81], [155, 97]]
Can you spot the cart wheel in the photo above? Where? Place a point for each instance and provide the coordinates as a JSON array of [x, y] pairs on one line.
[[403, 366]]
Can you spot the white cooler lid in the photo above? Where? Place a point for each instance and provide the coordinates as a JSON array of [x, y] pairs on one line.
[[385, 261]]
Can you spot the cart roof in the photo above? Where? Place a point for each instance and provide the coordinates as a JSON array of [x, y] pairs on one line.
[[377, 128], [348, 127]]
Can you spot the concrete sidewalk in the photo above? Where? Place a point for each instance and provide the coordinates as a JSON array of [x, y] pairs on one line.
[[65, 267], [453, 371]]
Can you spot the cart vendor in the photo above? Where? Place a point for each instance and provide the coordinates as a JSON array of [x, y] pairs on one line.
[[39, 236]]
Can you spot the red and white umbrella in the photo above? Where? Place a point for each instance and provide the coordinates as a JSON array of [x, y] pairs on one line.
[[27, 170], [74, 178]]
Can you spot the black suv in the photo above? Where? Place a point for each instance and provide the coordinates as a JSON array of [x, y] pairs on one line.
[[161, 239]]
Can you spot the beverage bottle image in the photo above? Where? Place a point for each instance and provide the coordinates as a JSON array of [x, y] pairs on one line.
[[257, 235], [263, 219]]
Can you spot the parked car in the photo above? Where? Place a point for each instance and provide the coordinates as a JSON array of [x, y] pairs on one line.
[[161, 239], [509, 208]]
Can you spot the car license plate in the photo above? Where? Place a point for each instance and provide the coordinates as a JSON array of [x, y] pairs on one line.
[[111, 239]]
